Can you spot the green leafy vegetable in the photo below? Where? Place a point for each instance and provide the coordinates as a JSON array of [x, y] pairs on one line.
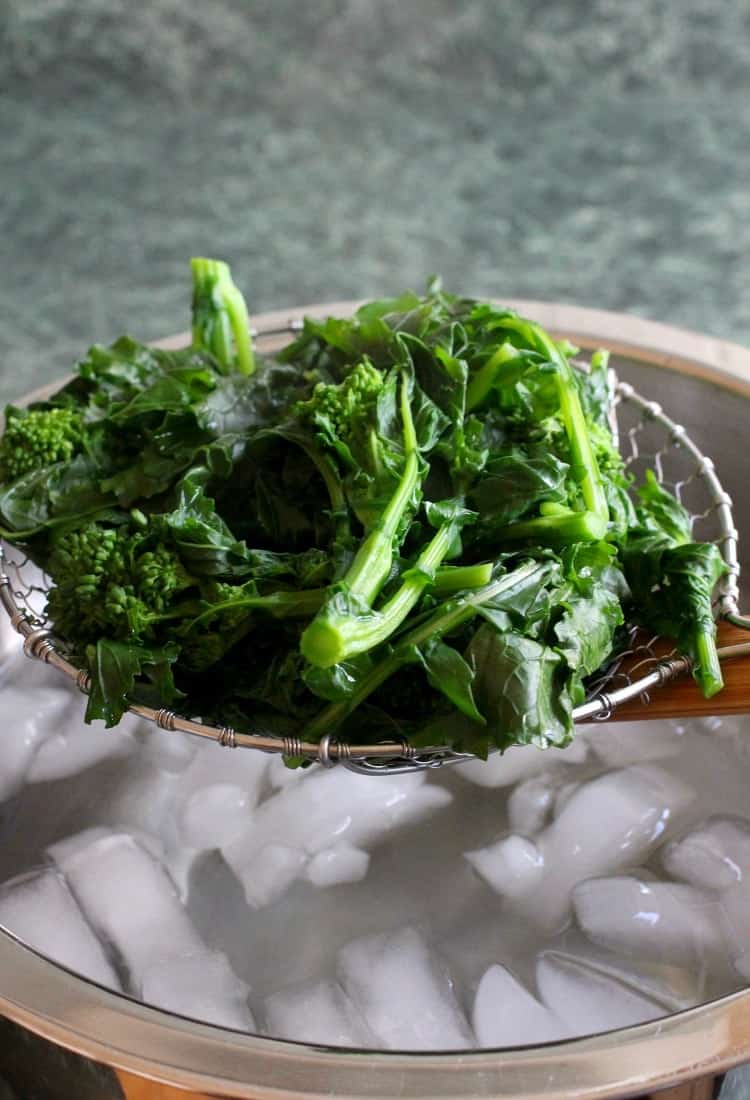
[[672, 580], [411, 522]]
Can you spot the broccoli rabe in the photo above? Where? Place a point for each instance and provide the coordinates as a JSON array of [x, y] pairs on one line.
[[672, 580], [324, 641], [118, 582], [585, 519], [412, 522], [39, 438], [220, 316], [345, 417]]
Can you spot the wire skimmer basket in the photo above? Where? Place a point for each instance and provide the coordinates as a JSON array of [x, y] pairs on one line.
[[648, 439]]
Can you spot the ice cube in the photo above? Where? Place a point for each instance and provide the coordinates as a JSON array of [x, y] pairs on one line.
[[316, 1012], [403, 992], [36, 701], [342, 863], [622, 743], [209, 805], [280, 775], [212, 764], [201, 986], [131, 902], [76, 748], [512, 866], [39, 909], [213, 815], [272, 873], [63, 851], [609, 824], [520, 762], [530, 804], [143, 799], [563, 796], [673, 987], [664, 921], [325, 809], [505, 1014], [587, 1000], [169, 750], [714, 856]]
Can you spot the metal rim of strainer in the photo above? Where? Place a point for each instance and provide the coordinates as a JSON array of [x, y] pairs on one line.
[[394, 756]]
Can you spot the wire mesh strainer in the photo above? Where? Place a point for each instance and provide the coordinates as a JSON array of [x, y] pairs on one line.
[[648, 439]]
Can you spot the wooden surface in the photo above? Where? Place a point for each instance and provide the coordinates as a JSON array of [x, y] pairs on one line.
[[694, 1090], [138, 1088], [682, 697]]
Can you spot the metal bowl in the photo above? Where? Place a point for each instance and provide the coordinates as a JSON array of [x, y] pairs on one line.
[[705, 384]]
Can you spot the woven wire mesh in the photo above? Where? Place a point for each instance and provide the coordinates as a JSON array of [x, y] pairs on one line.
[[648, 440]]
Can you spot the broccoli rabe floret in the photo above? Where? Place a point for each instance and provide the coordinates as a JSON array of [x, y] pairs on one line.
[[344, 416], [118, 582], [36, 439]]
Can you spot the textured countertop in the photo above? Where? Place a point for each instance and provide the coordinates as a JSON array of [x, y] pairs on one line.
[[594, 152], [586, 150]]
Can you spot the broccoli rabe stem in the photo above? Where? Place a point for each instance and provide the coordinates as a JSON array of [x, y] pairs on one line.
[[447, 618], [558, 528], [459, 578], [585, 468], [707, 668], [299, 603], [348, 635], [585, 465], [282, 604], [320, 643], [220, 321]]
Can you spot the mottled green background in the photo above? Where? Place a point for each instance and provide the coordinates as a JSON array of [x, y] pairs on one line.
[[593, 151]]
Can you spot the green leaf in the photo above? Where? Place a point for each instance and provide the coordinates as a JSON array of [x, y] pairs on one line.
[[449, 674], [513, 485], [115, 667], [61, 493], [660, 511], [586, 629], [520, 689]]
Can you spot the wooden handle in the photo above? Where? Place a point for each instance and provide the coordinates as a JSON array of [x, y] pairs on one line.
[[682, 698]]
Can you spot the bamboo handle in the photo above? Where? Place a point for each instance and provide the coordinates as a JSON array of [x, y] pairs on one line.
[[681, 698]]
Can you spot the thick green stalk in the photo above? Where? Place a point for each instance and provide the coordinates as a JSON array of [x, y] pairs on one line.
[[348, 635], [372, 562], [707, 666], [557, 528], [449, 616], [220, 320], [459, 578]]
